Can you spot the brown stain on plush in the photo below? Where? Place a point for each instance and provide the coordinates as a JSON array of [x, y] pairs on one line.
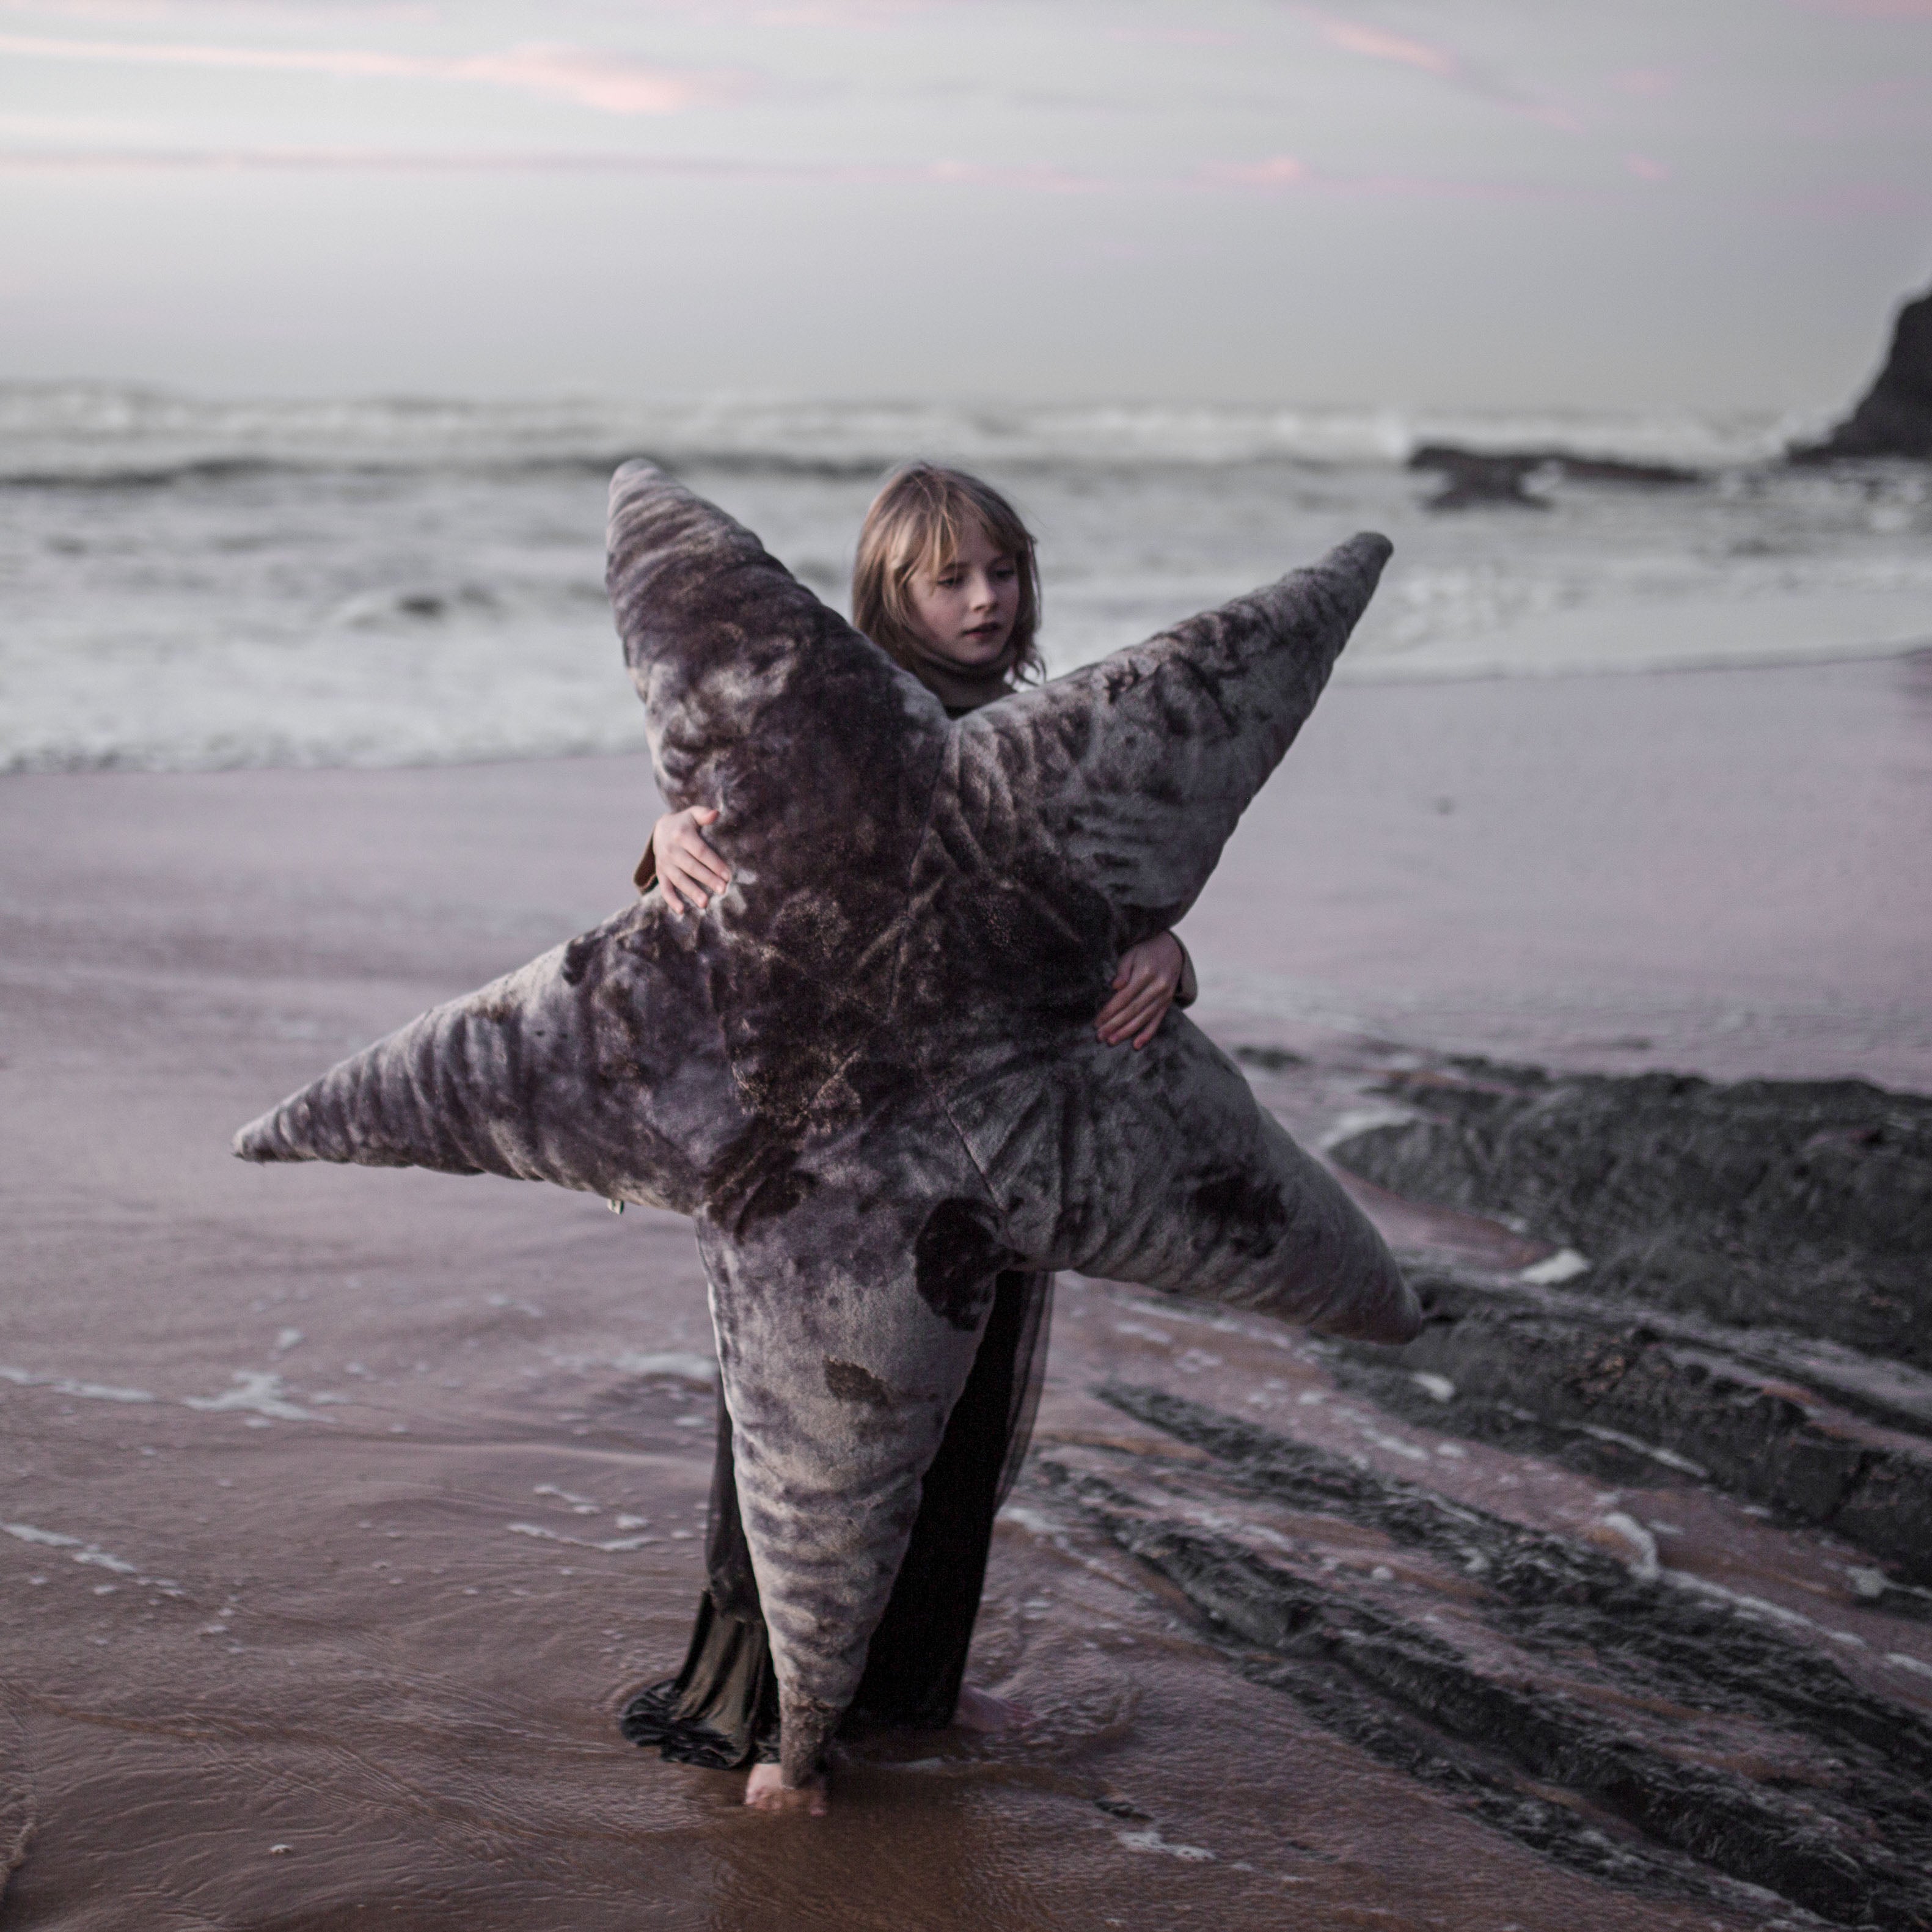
[[850, 1383], [954, 1259], [1248, 1210]]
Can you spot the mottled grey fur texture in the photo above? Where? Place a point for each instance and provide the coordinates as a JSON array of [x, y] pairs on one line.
[[869, 1072]]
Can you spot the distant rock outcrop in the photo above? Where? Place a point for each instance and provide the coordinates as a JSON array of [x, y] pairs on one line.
[[1486, 477], [1895, 417]]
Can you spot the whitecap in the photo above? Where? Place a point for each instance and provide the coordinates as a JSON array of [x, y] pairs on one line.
[[259, 1389], [62, 1385]]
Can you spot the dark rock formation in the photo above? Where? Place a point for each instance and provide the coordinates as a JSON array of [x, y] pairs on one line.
[[1800, 1205], [1647, 1401], [1628, 1727], [1473, 478], [1894, 417]]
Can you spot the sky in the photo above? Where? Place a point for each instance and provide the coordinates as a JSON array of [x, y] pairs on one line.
[[1430, 203]]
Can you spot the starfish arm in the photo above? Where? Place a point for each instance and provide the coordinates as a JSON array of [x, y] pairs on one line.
[[820, 756], [848, 1306], [1135, 770], [750, 684], [597, 1067], [1161, 1168]]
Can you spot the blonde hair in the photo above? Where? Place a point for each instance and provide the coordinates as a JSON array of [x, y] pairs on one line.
[[915, 523]]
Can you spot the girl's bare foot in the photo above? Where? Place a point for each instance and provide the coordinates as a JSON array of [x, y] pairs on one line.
[[766, 1790], [981, 1711]]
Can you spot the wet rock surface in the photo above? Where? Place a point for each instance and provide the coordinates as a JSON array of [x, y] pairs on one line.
[[1613, 1717], [1894, 417], [1609, 1396], [1800, 1205]]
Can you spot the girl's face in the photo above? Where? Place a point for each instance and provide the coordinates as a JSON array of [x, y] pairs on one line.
[[963, 611]]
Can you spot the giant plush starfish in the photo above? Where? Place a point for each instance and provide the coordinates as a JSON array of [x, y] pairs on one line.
[[869, 1072]]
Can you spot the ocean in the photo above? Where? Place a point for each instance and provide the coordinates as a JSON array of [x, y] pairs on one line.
[[189, 583]]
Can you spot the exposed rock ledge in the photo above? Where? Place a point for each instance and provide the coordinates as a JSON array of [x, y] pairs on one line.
[[1804, 1205], [1625, 1725], [1744, 1294]]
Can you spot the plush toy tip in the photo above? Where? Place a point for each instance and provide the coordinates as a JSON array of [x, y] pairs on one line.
[[261, 1141]]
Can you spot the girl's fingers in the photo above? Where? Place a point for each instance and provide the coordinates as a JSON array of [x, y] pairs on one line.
[[701, 880], [1144, 989], [694, 856], [1134, 983], [684, 884], [1140, 1019]]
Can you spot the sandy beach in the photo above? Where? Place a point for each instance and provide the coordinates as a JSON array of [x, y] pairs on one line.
[[342, 1509]]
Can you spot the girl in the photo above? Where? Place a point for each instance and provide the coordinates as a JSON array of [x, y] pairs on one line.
[[946, 583]]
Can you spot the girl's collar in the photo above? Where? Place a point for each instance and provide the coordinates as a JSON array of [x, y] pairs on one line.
[[956, 687]]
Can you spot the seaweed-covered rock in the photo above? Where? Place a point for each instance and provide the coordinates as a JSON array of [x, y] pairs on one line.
[[1804, 1205], [1894, 418]]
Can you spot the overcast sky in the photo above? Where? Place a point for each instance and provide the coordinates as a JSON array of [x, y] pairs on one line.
[[1583, 203]]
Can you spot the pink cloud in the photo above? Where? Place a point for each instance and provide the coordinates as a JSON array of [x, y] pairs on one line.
[[1179, 37], [1044, 178], [1375, 44], [613, 82], [1651, 83], [866, 15], [1277, 171], [1428, 57], [1646, 169], [154, 12]]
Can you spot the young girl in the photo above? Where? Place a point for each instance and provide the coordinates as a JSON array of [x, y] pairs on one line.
[[945, 583]]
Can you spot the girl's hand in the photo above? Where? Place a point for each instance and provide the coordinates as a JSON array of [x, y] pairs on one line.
[[1144, 989], [688, 870]]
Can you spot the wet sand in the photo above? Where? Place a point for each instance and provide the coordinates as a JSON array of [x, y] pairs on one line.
[[342, 1509]]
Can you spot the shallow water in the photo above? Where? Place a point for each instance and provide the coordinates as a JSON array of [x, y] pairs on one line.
[[343, 1509]]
